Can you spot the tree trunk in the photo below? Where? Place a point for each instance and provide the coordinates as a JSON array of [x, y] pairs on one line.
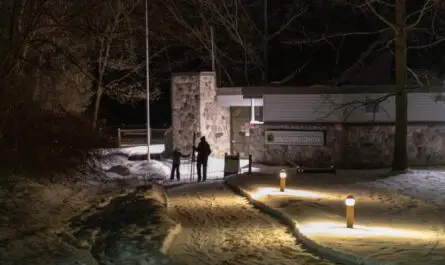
[[99, 94], [400, 160]]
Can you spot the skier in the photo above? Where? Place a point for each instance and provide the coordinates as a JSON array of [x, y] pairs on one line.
[[204, 151], [176, 163]]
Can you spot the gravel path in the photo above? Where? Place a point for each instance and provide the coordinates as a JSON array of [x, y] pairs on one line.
[[220, 227]]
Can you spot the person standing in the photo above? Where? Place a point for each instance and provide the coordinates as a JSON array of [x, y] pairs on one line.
[[176, 164], [204, 152]]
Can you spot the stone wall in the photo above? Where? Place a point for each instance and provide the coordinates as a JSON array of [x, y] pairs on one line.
[[354, 146], [277, 154], [375, 145], [215, 119], [195, 109]]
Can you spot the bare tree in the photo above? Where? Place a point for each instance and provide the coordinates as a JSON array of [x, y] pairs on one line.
[[241, 37], [404, 27], [112, 29], [55, 44], [37, 48], [414, 26], [41, 62]]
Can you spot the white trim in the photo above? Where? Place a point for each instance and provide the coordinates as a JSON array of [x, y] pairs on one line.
[[252, 113], [237, 101], [256, 122], [252, 110]]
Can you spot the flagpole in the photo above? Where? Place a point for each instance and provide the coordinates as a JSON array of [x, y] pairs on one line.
[[147, 79]]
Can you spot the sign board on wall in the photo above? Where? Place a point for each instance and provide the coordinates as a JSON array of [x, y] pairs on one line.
[[304, 138]]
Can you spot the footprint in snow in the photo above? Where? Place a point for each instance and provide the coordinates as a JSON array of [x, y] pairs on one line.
[[289, 203]]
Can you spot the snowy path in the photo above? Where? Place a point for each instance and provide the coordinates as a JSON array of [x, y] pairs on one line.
[[222, 228]]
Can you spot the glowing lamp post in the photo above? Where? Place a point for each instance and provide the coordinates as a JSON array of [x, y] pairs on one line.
[[283, 176], [350, 203]]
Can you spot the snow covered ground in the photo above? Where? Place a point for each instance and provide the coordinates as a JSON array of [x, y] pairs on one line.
[[54, 223], [136, 150], [394, 222], [219, 227], [116, 164], [32, 214], [125, 229], [142, 150], [215, 168], [426, 184]]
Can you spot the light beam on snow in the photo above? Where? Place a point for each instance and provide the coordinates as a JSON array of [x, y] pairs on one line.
[[263, 192], [142, 149], [338, 229]]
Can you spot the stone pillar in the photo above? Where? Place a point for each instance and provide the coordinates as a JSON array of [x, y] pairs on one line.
[[185, 109], [195, 109], [215, 119]]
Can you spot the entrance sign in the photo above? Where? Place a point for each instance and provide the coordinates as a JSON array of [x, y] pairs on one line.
[[303, 138]]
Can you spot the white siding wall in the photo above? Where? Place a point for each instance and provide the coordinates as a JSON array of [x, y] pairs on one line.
[[348, 108], [237, 101]]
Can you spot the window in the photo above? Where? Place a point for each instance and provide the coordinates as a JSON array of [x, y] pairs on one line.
[[371, 106]]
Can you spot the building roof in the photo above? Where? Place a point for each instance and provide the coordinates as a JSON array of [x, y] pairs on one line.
[[258, 92]]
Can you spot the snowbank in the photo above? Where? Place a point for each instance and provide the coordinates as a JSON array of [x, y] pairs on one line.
[[117, 168], [123, 169], [126, 229], [426, 184], [38, 224], [32, 215], [135, 150]]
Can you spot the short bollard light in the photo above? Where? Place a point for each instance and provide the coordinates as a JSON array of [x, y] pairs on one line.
[[283, 176], [350, 203]]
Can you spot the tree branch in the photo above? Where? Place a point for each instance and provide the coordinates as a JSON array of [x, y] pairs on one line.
[[288, 23], [325, 38], [426, 7]]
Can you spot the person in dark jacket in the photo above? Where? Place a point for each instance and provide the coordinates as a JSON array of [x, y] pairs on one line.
[[176, 163], [204, 151]]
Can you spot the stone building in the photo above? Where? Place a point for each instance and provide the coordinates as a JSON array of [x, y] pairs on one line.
[[350, 126]]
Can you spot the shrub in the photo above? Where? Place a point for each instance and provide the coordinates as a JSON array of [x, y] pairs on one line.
[[44, 143]]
